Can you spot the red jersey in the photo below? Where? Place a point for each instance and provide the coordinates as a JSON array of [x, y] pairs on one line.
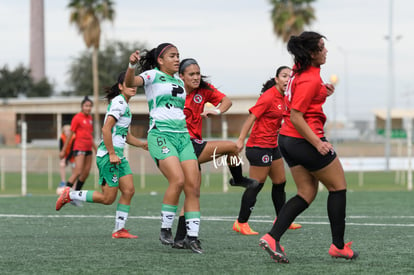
[[305, 93], [82, 126], [194, 106], [269, 113]]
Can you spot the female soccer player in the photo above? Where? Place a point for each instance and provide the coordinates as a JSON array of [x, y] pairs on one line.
[[199, 92], [114, 170], [68, 159], [168, 140], [82, 127], [262, 150], [311, 158]]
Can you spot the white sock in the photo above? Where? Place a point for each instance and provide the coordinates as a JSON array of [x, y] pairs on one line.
[[193, 226], [120, 220], [78, 195], [167, 219]]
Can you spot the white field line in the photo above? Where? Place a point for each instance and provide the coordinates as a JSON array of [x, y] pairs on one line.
[[263, 219]]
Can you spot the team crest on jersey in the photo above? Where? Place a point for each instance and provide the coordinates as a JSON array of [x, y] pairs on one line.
[[114, 179], [198, 98], [265, 159], [147, 76], [165, 150]]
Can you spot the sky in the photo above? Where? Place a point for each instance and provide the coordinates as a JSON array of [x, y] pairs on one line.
[[234, 44]]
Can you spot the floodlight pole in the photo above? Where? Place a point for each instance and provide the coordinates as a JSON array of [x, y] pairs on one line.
[[390, 91]]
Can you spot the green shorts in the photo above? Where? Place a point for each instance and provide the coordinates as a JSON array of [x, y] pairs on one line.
[[162, 145], [111, 173]]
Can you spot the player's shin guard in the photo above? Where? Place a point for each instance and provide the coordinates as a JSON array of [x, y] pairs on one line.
[[287, 215], [247, 202], [336, 212]]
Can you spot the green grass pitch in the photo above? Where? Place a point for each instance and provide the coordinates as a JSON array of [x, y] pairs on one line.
[[35, 239]]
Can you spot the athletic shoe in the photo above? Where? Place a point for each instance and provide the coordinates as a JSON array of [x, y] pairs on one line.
[[275, 250], [123, 234], [193, 244], [166, 236], [293, 226], [179, 244], [245, 182], [346, 252], [63, 199], [243, 228]]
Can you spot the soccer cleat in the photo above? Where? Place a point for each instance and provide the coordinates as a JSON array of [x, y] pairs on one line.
[[179, 244], [346, 252], [193, 244], [243, 228], [275, 250], [166, 236], [245, 182], [63, 199], [123, 234], [293, 226]]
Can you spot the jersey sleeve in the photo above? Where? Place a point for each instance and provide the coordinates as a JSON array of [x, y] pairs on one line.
[[148, 77], [214, 96], [262, 105], [305, 91], [117, 108]]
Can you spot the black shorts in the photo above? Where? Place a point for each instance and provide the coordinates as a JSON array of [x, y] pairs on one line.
[[198, 145], [262, 156], [79, 153], [298, 151]]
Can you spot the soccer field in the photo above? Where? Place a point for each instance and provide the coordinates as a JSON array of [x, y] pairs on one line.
[[35, 239]]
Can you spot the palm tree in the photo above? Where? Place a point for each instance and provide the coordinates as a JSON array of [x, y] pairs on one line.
[[289, 17], [87, 15]]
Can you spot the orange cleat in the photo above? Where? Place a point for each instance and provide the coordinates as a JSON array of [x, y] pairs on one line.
[[63, 199], [275, 250], [123, 234], [293, 226], [346, 252], [243, 228]]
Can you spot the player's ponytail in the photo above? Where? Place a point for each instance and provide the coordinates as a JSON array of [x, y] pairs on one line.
[[114, 91]]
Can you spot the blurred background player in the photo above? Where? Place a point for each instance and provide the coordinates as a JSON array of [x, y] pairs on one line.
[[68, 159], [82, 127]]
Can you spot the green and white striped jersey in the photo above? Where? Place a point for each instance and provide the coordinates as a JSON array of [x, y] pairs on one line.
[[166, 97], [118, 109]]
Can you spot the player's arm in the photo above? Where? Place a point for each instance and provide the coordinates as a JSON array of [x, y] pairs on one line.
[[107, 139], [297, 119], [130, 139], [247, 125], [130, 79]]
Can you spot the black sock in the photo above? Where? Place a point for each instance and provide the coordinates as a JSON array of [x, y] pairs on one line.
[[69, 184], [236, 172], [247, 202], [336, 213], [287, 215], [181, 229], [278, 196], [79, 185]]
